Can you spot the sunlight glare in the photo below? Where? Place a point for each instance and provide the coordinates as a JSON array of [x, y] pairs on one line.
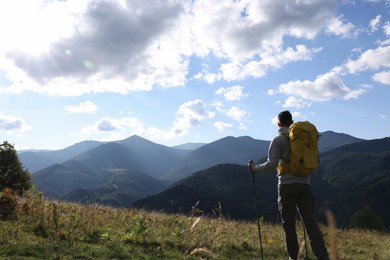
[[32, 26]]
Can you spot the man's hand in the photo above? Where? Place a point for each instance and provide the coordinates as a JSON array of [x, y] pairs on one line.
[[251, 166]]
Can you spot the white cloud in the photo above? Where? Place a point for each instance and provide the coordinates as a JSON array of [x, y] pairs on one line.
[[268, 59], [323, 88], [382, 77], [386, 29], [123, 41], [131, 122], [222, 126], [71, 48], [223, 29], [209, 77], [232, 71], [279, 58], [37, 25], [295, 102], [298, 115], [11, 124], [218, 106], [87, 107], [236, 113], [242, 127], [372, 59], [356, 93], [272, 92], [105, 124], [190, 114], [108, 125], [338, 27], [300, 53], [232, 93], [375, 23]]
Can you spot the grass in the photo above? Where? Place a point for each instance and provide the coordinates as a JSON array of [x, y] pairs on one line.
[[44, 229]]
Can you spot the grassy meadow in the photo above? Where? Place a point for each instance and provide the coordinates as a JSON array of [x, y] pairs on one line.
[[44, 229]]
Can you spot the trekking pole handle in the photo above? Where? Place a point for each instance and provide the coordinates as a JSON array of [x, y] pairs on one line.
[[251, 169]]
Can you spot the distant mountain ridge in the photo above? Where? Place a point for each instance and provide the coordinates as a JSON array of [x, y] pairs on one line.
[[330, 140], [89, 171], [229, 149], [38, 160], [96, 167]]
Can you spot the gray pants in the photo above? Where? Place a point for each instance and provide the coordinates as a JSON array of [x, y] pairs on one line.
[[290, 197]]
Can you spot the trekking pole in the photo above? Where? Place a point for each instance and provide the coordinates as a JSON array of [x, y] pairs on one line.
[[257, 214], [304, 233]]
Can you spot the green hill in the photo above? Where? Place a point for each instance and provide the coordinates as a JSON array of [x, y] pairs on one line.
[[361, 174], [235, 150], [350, 178], [122, 188], [44, 229], [228, 188]]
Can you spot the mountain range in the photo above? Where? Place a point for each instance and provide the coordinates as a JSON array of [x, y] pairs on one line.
[[40, 159], [349, 178], [140, 173]]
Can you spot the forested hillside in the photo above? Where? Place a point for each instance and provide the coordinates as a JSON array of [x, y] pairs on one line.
[[349, 178]]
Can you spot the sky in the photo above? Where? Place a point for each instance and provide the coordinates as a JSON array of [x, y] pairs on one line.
[[196, 71]]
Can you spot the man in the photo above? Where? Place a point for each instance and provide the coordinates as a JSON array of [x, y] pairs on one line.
[[293, 192]]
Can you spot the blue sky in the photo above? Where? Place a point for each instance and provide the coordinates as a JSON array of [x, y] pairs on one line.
[[190, 71]]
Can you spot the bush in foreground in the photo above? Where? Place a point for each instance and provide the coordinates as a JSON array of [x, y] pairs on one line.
[[8, 204]]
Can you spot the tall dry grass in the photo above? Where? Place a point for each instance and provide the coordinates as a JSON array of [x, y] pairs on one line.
[[45, 229]]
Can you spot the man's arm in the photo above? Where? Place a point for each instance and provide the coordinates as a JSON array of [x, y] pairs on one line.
[[274, 154]]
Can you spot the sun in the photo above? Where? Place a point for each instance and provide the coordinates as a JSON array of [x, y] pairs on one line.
[[32, 26]]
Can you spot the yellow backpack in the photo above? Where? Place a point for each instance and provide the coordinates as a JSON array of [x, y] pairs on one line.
[[304, 155]]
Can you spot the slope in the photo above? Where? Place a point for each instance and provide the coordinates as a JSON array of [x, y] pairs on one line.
[[361, 173], [226, 189], [235, 150], [330, 140], [151, 158], [95, 168], [121, 188]]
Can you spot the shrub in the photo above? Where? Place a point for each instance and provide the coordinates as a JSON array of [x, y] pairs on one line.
[[365, 218], [8, 204]]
